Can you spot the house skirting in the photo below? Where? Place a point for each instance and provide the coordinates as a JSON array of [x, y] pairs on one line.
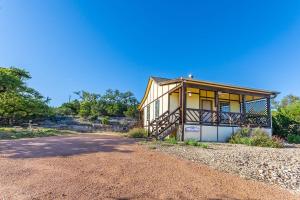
[[212, 133]]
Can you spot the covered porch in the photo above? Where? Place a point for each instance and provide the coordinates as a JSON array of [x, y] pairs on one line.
[[217, 106]]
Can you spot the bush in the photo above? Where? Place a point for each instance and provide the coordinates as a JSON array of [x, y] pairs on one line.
[[284, 125], [260, 138], [241, 136], [11, 133], [277, 142], [171, 140], [105, 120], [293, 139], [193, 142], [286, 117], [138, 133], [256, 137]]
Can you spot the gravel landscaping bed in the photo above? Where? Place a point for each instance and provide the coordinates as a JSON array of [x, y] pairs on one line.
[[270, 165]]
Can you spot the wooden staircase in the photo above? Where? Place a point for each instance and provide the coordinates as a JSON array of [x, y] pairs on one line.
[[164, 125]]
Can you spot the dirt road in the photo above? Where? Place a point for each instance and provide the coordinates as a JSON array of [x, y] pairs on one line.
[[112, 167]]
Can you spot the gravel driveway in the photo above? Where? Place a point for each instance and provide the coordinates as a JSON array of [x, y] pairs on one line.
[[112, 167], [271, 165]]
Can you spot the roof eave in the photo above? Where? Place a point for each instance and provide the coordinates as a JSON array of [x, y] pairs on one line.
[[236, 88]]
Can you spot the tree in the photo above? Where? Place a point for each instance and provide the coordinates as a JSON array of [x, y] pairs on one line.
[[69, 108], [17, 100], [92, 105], [12, 79], [285, 101], [88, 104], [117, 103], [286, 118], [132, 112]]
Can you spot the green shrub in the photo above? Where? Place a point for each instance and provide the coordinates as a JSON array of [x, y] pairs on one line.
[[7, 130], [260, 138], [291, 138], [171, 140], [105, 120], [11, 133], [138, 133], [241, 136], [277, 142], [193, 142], [256, 137], [205, 146], [286, 117]]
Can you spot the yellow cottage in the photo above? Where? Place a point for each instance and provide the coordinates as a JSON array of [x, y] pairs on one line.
[[201, 110]]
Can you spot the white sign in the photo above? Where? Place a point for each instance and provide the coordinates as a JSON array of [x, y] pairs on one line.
[[192, 128]]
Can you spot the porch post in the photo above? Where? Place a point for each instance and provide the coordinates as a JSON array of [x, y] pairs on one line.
[[148, 128], [243, 110], [183, 107], [217, 106], [269, 112]]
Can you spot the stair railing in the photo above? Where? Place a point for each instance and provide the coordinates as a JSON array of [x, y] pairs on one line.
[[164, 122]]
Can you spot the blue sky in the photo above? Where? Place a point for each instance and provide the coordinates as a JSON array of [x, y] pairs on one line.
[[95, 45]]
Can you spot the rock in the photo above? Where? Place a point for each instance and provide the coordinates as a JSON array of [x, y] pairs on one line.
[[270, 165]]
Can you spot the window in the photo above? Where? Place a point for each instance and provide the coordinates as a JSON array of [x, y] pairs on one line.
[[157, 104], [148, 112], [224, 106]]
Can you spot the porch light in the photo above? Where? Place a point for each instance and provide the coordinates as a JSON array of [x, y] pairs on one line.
[[190, 94]]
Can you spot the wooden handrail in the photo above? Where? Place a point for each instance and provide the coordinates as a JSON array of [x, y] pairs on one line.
[[230, 118], [154, 120], [162, 121]]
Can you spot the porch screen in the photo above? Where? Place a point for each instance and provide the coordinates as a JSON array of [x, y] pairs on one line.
[[257, 107]]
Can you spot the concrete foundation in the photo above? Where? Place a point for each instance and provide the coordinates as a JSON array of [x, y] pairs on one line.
[[212, 133]]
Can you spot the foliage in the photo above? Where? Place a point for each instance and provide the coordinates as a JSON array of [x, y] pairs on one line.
[[261, 139], [171, 140], [12, 133], [92, 106], [256, 137], [105, 120], [70, 108], [132, 112], [193, 142], [138, 133], [12, 79], [241, 136], [286, 101], [18, 102], [286, 118], [293, 139]]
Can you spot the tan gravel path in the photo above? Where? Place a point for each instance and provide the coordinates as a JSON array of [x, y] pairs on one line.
[[112, 167]]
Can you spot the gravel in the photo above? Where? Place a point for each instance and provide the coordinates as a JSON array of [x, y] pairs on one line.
[[275, 166], [98, 166]]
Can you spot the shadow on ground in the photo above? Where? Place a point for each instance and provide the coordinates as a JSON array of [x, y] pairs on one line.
[[62, 146]]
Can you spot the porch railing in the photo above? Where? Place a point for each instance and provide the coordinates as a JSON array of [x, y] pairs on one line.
[[210, 117]]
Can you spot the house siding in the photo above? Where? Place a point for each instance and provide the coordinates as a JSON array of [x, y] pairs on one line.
[[156, 91]]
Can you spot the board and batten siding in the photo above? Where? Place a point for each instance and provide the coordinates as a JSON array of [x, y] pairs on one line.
[[156, 92]]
